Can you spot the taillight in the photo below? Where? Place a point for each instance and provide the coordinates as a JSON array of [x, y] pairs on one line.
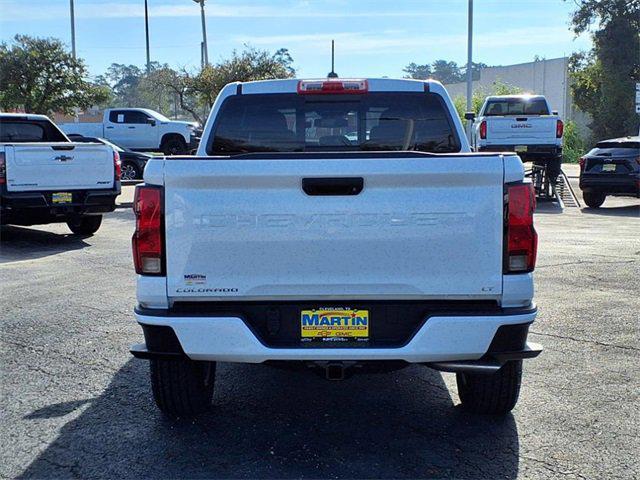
[[483, 129], [318, 87], [522, 239], [559, 129], [3, 168], [117, 165], [148, 241], [581, 162]]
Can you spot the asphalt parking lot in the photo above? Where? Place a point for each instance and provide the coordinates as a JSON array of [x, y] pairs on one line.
[[76, 404]]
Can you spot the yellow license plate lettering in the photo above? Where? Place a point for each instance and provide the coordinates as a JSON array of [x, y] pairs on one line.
[[62, 197], [323, 323]]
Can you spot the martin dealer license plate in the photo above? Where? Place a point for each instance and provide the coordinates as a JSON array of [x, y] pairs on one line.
[[61, 197], [333, 324]]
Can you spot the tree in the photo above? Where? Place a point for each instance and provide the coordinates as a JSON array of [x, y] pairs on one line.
[[418, 72], [603, 79], [39, 76], [443, 71], [177, 84], [197, 91], [249, 65], [446, 72]]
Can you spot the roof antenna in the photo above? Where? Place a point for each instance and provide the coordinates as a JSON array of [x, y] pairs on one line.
[[332, 73]]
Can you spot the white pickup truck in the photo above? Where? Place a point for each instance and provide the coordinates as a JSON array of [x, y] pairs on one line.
[[289, 243], [141, 129], [521, 123], [46, 178]]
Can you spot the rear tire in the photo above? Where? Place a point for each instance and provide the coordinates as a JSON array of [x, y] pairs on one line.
[[130, 171], [494, 394], [182, 388], [174, 146], [593, 199], [85, 225]]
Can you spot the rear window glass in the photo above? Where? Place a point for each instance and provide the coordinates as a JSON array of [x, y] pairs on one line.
[[516, 107], [625, 146], [323, 123], [22, 131]]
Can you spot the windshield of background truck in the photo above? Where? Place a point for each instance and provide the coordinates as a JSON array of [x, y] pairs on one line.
[[329, 123], [516, 106]]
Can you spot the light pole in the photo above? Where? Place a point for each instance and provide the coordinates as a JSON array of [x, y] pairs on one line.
[[73, 29], [470, 67], [204, 33], [146, 32]]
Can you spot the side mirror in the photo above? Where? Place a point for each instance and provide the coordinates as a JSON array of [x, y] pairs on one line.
[[554, 112], [151, 122], [470, 116]]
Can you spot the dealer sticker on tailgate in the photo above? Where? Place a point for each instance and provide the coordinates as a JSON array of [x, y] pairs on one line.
[[332, 324]]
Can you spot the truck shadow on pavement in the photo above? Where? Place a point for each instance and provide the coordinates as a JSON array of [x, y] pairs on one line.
[[269, 423], [625, 211], [22, 243]]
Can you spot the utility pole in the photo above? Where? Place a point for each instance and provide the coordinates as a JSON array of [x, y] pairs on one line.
[[146, 32], [204, 33], [470, 67], [73, 29]]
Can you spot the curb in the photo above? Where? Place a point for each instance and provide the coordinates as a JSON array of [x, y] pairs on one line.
[[125, 205]]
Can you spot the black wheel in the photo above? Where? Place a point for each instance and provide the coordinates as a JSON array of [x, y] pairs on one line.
[[130, 171], [174, 146], [495, 393], [554, 167], [182, 388], [593, 199], [85, 225]]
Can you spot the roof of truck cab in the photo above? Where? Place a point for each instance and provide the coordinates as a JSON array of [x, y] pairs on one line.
[[290, 85], [515, 97], [28, 116]]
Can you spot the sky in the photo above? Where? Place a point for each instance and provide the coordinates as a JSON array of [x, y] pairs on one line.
[[374, 38]]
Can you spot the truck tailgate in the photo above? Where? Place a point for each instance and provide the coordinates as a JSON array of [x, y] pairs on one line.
[[521, 130], [423, 227], [72, 166]]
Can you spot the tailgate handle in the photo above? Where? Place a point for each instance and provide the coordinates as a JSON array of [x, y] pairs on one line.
[[333, 186], [521, 119], [63, 147]]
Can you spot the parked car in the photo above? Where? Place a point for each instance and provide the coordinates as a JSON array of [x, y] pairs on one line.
[[132, 162], [46, 178], [276, 246], [523, 124], [141, 129], [611, 168]]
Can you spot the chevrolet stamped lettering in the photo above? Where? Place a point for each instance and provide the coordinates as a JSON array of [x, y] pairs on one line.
[[327, 220]]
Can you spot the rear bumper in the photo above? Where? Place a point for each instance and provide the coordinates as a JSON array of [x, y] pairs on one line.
[[624, 185], [28, 208], [534, 152], [440, 339]]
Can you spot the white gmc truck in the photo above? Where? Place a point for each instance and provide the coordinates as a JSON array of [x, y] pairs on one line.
[[140, 129], [524, 124], [342, 225], [46, 178]]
